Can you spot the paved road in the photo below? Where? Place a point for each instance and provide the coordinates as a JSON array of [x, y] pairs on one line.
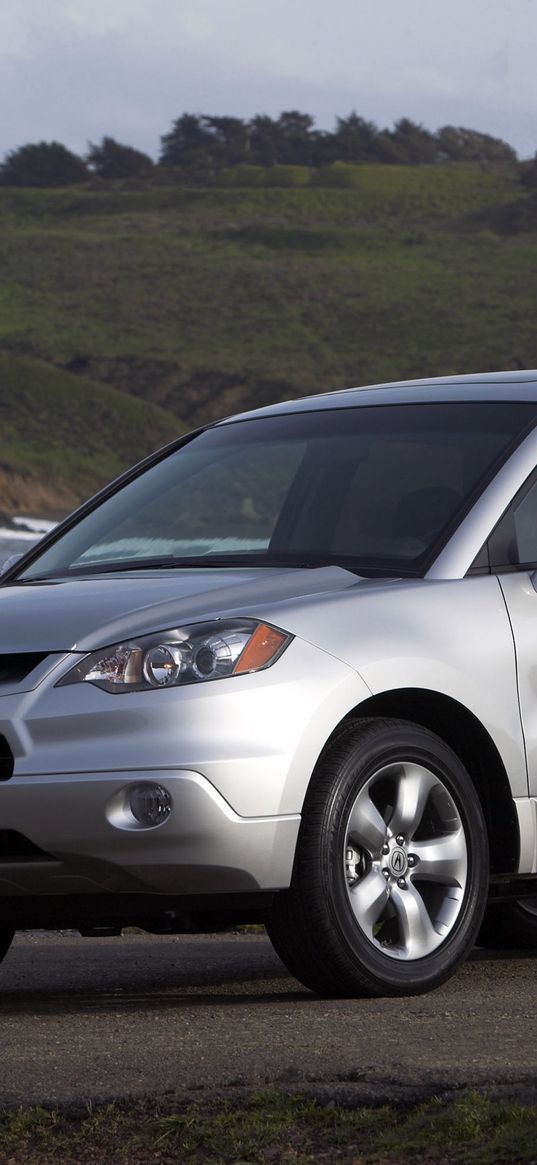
[[83, 1018]]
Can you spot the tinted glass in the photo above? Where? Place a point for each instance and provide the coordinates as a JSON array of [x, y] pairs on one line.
[[514, 541], [376, 488]]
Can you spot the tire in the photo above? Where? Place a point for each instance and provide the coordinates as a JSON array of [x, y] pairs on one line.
[[6, 938], [510, 925], [391, 870]]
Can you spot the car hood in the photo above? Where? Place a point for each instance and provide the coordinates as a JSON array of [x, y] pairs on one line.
[[84, 614]]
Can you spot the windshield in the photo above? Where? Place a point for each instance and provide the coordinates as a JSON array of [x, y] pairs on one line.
[[373, 488]]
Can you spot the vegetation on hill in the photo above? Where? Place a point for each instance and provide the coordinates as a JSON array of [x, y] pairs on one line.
[[201, 146], [63, 438], [205, 301], [197, 140]]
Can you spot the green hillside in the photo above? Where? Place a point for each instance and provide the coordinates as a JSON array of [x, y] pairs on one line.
[[204, 301], [62, 438]]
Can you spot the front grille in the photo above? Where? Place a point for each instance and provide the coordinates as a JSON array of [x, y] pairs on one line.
[[14, 668], [7, 760]]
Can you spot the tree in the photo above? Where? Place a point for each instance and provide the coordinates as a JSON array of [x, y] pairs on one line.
[[188, 141], [111, 159], [264, 135], [229, 139], [455, 143], [528, 172], [296, 140], [201, 145], [407, 143], [288, 141], [42, 164], [354, 139]]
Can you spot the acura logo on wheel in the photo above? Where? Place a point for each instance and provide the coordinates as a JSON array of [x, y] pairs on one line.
[[398, 862]]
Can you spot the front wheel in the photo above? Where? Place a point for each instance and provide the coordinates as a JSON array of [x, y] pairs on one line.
[[391, 869]]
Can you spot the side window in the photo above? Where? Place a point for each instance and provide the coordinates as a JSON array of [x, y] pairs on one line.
[[514, 542], [525, 523]]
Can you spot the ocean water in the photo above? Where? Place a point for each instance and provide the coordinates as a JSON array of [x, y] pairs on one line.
[[26, 533]]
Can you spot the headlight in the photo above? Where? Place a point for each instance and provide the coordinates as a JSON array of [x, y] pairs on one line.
[[184, 655]]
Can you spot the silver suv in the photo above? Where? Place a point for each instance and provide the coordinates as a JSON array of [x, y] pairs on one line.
[[286, 670]]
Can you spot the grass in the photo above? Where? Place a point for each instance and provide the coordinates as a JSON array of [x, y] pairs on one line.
[[447, 190], [63, 437], [273, 1127], [208, 301]]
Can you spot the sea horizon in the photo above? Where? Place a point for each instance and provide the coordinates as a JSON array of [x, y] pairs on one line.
[[22, 533]]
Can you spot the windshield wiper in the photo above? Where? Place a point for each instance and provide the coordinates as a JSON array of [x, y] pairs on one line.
[[101, 568], [214, 561], [172, 562]]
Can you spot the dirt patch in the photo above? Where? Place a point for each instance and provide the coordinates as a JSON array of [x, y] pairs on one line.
[[24, 493]]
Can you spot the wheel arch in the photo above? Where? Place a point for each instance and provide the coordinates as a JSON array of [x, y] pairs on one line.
[[469, 739]]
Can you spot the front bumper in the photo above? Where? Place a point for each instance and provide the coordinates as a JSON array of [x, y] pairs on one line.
[[235, 756], [204, 847]]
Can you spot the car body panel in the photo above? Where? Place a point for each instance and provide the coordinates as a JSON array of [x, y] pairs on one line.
[[85, 613], [521, 600], [429, 635], [526, 810], [481, 386], [203, 846]]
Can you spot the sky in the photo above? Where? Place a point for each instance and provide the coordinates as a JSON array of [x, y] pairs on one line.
[[76, 70]]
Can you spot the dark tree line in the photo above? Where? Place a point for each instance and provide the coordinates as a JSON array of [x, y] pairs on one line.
[[51, 164], [200, 145], [292, 139]]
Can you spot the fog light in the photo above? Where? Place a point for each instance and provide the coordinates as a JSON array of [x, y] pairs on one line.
[[150, 804]]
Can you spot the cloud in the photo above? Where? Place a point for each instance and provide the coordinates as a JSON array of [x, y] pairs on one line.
[[74, 70]]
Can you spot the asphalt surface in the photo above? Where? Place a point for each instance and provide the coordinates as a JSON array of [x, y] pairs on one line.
[[85, 1019]]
